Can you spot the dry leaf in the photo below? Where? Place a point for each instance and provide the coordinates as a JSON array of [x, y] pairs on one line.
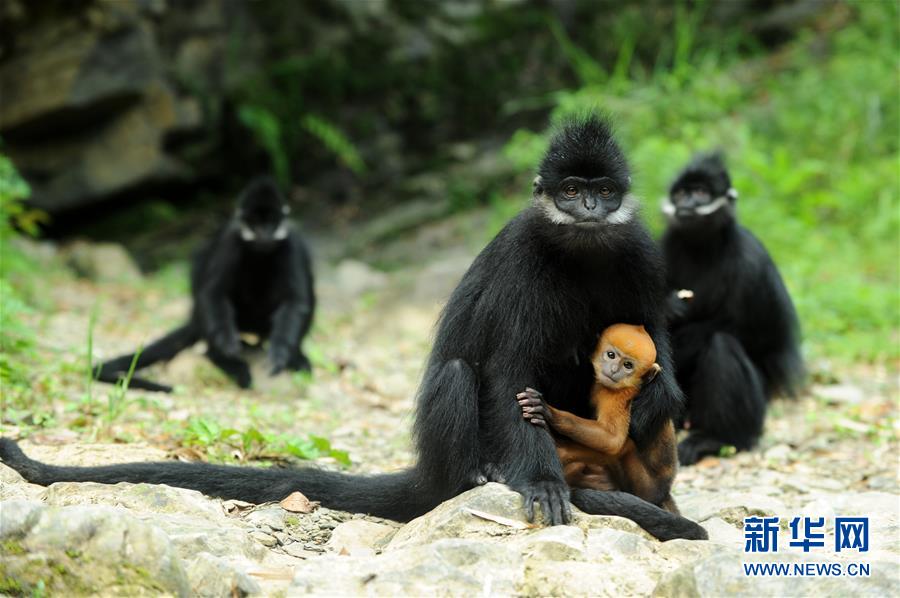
[[236, 506], [297, 503], [501, 520], [187, 453]]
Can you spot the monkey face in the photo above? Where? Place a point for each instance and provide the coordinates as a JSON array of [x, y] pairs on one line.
[[625, 357], [701, 195], [261, 216], [584, 201]]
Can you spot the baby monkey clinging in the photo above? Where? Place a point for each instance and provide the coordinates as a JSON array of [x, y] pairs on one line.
[[597, 453]]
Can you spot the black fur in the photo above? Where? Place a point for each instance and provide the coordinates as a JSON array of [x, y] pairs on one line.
[[262, 286], [527, 313], [736, 342]]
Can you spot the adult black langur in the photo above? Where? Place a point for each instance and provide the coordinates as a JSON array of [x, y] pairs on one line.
[[734, 330], [253, 276], [526, 314]]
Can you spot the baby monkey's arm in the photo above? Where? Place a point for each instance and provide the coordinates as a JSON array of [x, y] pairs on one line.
[[606, 435]]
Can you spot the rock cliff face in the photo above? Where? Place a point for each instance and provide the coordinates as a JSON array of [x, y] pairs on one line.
[[103, 97], [116, 99]]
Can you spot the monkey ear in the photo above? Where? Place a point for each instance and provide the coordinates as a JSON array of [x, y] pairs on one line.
[[537, 186], [652, 372]]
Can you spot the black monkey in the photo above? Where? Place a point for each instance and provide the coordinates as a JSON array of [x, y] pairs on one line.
[[526, 313], [735, 341], [253, 276]]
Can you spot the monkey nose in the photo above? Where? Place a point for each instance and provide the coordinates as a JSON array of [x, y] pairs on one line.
[[589, 203]]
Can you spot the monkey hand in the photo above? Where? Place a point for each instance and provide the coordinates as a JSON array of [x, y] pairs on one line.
[[552, 496], [283, 358], [227, 342], [534, 409], [279, 356]]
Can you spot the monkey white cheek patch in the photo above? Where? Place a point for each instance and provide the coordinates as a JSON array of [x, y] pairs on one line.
[[625, 212], [553, 214]]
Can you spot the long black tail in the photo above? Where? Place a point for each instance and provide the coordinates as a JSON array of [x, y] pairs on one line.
[[661, 524], [160, 350], [399, 496]]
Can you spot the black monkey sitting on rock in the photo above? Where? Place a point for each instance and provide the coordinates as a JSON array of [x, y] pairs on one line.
[[734, 330], [526, 314], [254, 276]]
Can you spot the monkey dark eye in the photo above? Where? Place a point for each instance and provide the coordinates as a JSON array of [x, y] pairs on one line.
[[628, 365], [571, 190], [610, 355], [605, 191]]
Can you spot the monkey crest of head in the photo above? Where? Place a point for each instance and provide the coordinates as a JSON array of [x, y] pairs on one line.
[[262, 215], [702, 195], [625, 357], [584, 180]]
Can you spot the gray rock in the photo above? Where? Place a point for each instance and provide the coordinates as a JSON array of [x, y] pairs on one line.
[[101, 262], [453, 518], [723, 575], [722, 532], [211, 576], [264, 539], [140, 497], [85, 549], [18, 516], [605, 542], [612, 578], [557, 543], [447, 567], [191, 536], [359, 537], [732, 507], [267, 517]]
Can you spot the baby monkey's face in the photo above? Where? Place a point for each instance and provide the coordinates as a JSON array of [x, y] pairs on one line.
[[625, 357], [617, 369]]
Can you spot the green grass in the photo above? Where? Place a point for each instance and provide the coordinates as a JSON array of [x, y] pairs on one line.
[[228, 445], [812, 141]]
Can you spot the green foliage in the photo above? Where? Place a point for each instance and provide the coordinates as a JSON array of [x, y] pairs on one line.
[[17, 338], [267, 131], [332, 138], [115, 399], [228, 444], [813, 147]]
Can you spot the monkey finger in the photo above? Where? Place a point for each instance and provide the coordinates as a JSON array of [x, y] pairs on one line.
[[529, 507], [566, 511], [556, 510]]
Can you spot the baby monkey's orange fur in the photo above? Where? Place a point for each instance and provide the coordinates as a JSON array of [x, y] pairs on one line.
[[597, 453]]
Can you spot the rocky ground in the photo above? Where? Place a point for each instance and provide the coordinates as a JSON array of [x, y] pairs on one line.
[[831, 452]]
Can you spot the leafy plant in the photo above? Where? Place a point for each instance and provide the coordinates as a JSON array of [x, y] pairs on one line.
[[228, 444], [267, 130], [332, 138]]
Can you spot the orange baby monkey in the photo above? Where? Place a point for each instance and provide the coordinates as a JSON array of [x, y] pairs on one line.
[[597, 453]]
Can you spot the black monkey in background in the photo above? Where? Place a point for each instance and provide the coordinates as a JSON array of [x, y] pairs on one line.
[[735, 341], [253, 276], [526, 313]]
